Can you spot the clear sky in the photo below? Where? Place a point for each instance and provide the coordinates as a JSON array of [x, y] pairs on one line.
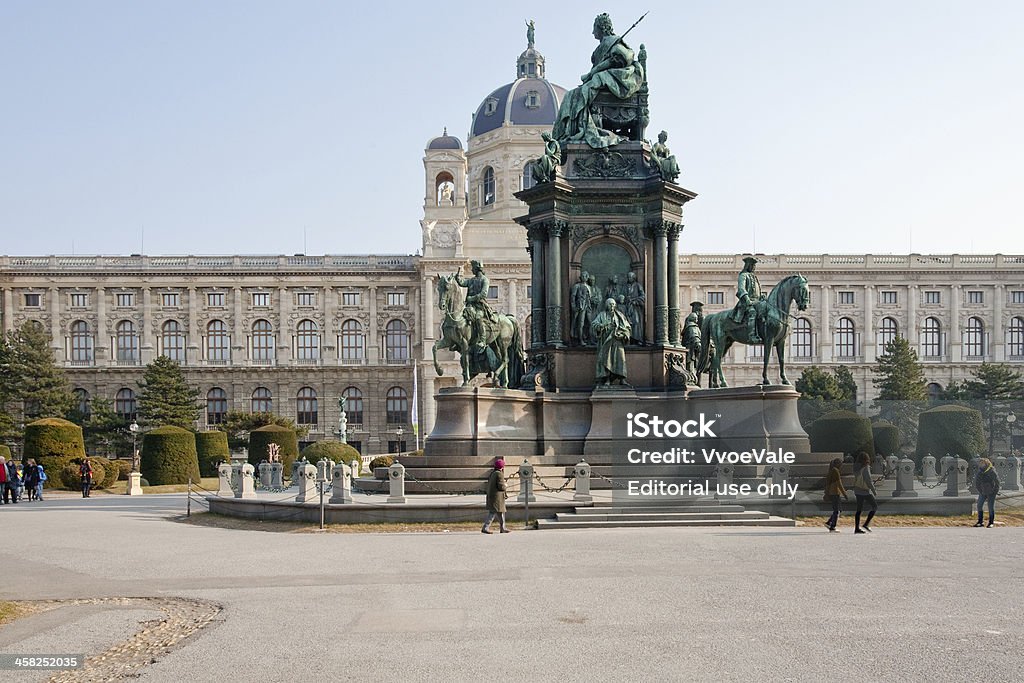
[[236, 126]]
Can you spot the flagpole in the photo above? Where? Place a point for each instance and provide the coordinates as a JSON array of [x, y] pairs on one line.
[[415, 402]]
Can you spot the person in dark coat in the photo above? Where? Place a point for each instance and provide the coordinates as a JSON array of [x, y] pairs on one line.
[[496, 495], [31, 478], [85, 470], [834, 489], [986, 483], [864, 490]]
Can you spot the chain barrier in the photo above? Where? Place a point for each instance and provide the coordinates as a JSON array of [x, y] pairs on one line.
[[434, 488], [560, 489], [614, 483]]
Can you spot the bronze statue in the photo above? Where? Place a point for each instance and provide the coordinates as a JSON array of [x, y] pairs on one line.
[[612, 331], [748, 291], [691, 336], [613, 290], [476, 312], [545, 168], [529, 33], [595, 304], [634, 296], [581, 302], [663, 159]]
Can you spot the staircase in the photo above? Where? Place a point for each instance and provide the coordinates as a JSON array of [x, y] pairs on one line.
[[703, 513]]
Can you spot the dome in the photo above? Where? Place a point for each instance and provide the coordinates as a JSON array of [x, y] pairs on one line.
[[523, 102], [444, 141]]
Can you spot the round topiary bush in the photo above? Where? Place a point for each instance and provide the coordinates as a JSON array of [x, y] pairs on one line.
[[71, 477], [212, 448], [124, 468], [949, 429], [261, 438], [5, 452], [886, 436], [330, 450], [110, 472], [51, 437], [841, 431], [381, 461], [169, 456]]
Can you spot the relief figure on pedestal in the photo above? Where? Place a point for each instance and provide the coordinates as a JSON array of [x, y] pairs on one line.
[[691, 335], [545, 168], [663, 158], [581, 303], [611, 329], [634, 301]]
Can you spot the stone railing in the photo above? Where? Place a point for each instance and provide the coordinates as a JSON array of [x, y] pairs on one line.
[[796, 262], [263, 262]]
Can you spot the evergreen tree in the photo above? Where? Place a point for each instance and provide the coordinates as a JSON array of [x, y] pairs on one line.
[[238, 424], [8, 390], [31, 383], [165, 399], [823, 392], [902, 389], [994, 390], [105, 432]]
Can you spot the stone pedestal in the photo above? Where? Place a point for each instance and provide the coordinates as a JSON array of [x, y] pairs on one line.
[[928, 473], [581, 475], [246, 482], [905, 479], [265, 474], [305, 478], [276, 475], [134, 484], [341, 488], [224, 481], [396, 478], [956, 478], [1009, 472]]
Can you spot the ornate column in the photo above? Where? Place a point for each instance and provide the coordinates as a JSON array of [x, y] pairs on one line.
[[57, 345], [102, 337], [192, 341], [512, 299], [146, 337], [535, 236], [673, 285], [8, 309], [428, 312], [554, 283], [660, 233], [997, 351], [825, 329], [955, 335], [869, 345], [238, 334], [283, 352], [373, 333], [912, 326]]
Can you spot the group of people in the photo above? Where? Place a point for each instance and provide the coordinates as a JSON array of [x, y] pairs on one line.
[[20, 480]]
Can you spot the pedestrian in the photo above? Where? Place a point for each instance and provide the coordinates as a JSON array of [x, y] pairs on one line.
[[30, 477], [986, 481], [42, 481], [85, 471], [496, 495], [864, 490], [834, 489], [3, 480], [10, 478]]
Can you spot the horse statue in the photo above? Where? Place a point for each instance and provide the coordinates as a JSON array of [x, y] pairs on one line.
[[502, 358], [719, 332]]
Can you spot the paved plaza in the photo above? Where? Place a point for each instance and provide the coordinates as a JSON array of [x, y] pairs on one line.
[[930, 604]]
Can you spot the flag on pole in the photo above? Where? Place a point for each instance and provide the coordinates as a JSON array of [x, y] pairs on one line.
[[415, 404]]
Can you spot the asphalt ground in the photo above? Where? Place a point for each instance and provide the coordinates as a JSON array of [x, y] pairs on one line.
[[907, 604]]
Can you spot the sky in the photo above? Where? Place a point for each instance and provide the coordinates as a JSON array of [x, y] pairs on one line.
[[243, 126]]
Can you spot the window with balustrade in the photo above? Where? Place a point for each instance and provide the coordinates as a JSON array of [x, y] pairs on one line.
[[802, 343], [81, 343], [931, 338], [172, 341], [262, 401], [216, 406], [353, 405], [845, 339], [126, 340], [888, 330], [397, 406], [82, 403], [306, 407], [396, 341], [262, 342], [352, 341], [218, 342], [307, 341], [1015, 338], [124, 405], [974, 338]]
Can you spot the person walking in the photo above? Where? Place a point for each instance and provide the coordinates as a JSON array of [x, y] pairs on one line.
[[834, 489], [9, 476], [85, 471], [30, 477], [986, 482], [42, 481], [496, 495], [3, 480], [864, 490]]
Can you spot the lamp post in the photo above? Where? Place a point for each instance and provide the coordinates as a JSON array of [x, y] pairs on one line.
[[1010, 420], [399, 433], [134, 429]]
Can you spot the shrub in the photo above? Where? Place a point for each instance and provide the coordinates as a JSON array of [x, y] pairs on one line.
[[949, 429], [5, 452], [261, 438], [331, 450], [886, 436], [841, 431], [169, 456], [124, 468], [53, 466], [110, 472], [211, 447], [53, 436], [71, 478], [381, 461]]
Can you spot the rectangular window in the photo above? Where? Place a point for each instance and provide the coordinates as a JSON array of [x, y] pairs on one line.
[[33, 300], [888, 297], [260, 299], [846, 297], [716, 298], [125, 299], [79, 300], [492, 292], [932, 298], [170, 299], [1017, 296], [396, 298], [975, 297], [215, 299], [350, 298], [305, 299]]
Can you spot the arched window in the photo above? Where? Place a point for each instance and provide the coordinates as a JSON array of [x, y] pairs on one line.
[[81, 343], [307, 341], [1015, 338], [262, 402], [262, 342], [306, 406], [396, 341], [934, 391], [528, 176], [887, 331], [846, 343], [974, 338], [124, 405], [802, 344], [353, 405], [172, 341], [218, 342], [352, 341], [487, 187], [397, 406], [216, 406], [127, 342], [82, 406], [931, 338], [444, 189]]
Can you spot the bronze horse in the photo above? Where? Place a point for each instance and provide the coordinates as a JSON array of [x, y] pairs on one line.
[[503, 358], [719, 332]]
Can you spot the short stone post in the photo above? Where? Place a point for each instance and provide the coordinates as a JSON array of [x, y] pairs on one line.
[[526, 483], [780, 475], [265, 474], [972, 470], [295, 471], [276, 475], [1009, 473], [134, 484], [905, 479], [928, 473], [878, 464], [323, 470], [582, 474], [956, 484], [341, 484], [396, 477], [356, 466], [224, 480], [236, 475], [891, 463], [305, 478], [723, 482], [246, 482]]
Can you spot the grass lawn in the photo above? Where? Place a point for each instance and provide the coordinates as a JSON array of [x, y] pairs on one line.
[[208, 483], [9, 611], [224, 522]]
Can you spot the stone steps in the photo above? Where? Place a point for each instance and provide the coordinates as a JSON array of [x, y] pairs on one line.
[[662, 516]]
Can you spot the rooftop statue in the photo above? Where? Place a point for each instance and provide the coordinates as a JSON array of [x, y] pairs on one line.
[[529, 33], [614, 70]]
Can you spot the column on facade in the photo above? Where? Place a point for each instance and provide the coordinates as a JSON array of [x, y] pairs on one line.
[[512, 299], [538, 294], [429, 286], [238, 333], [330, 331], [869, 345], [192, 350], [146, 342], [660, 232], [997, 352], [283, 352], [674, 315], [373, 333], [554, 281], [57, 342], [825, 327], [429, 413], [955, 336], [911, 332], [102, 338], [8, 309]]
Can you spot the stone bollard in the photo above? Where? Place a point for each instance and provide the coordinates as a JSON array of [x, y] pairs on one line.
[[944, 465], [224, 480], [780, 475], [972, 471], [341, 486], [236, 475], [928, 473], [356, 467], [956, 484], [305, 478], [246, 482], [891, 463], [723, 482], [396, 476], [323, 470], [526, 483], [1009, 473], [276, 475], [905, 479], [878, 465], [582, 474], [295, 472], [265, 474], [135, 484]]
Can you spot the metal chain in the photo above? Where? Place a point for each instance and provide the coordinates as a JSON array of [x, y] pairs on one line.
[[561, 488], [610, 481]]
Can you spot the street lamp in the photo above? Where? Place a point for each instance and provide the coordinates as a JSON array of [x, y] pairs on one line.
[[1010, 420], [399, 432], [134, 429]]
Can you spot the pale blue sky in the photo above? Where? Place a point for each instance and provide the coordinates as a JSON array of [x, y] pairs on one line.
[[232, 126]]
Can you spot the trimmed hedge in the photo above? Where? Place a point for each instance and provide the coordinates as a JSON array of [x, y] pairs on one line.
[[211, 447], [111, 470], [124, 468], [5, 452], [169, 456], [841, 431], [381, 461], [330, 450], [952, 429], [886, 436], [71, 478], [51, 437], [261, 438]]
